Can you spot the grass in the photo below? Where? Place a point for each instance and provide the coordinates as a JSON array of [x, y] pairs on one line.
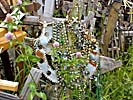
[[118, 84]]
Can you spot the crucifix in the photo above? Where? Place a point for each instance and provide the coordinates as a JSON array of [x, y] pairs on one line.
[[131, 14]]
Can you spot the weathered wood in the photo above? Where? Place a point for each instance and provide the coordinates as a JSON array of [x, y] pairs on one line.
[[49, 8], [4, 45], [36, 75], [5, 5], [41, 10], [7, 96], [31, 20], [34, 6], [4, 9], [108, 64], [113, 17], [7, 66], [8, 85], [12, 2], [2, 31]]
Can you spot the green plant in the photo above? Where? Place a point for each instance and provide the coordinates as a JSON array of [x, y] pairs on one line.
[[28, 59], [72, 75], [118, 84], [25, 54], [34, 92]]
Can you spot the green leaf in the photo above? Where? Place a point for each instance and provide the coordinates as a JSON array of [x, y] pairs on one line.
[[28, 50], [64, 97], [31, 95], [10, 27], [14, 14], [23, 8], [42, 95], [33, 58], [21, 57], [32, 86]]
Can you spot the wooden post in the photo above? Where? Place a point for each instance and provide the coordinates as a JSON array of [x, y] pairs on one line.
[[113, 17], [49, 8]]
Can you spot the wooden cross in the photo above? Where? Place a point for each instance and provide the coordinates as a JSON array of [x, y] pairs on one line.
[[131, 14]]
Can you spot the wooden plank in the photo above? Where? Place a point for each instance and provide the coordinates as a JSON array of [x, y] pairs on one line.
[[31, 20], [5, 43], [34, 6], [36, 74], [2, 31], [8, 85], [108, 64], [113, 16], [7, 96]]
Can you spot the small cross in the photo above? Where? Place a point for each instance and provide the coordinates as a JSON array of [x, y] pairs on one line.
[[131, 14]]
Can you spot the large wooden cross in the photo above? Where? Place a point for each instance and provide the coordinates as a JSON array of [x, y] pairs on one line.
[[131, 14]]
